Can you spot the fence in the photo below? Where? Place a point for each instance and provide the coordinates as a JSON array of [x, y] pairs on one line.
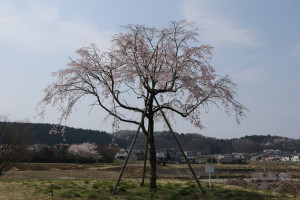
[[271, 176]]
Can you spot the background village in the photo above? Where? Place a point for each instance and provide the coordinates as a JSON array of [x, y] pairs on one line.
[[174, 156]]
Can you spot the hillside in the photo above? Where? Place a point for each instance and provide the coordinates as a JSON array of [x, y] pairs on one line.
[[40, 134], [164, 140], [209, 145]]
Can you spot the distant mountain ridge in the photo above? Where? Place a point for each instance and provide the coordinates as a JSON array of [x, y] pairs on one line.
[[164, 140], [209, 145]]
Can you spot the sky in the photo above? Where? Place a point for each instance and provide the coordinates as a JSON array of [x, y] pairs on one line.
[[256, 43]]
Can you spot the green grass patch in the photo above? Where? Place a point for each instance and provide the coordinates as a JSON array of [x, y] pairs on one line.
[[128, 189]]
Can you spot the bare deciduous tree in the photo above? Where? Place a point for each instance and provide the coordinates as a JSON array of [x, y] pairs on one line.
[[108, 152], [147, 64], [12, 138]]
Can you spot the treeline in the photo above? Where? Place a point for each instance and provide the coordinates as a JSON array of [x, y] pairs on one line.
[[163, 140], [40, 133], [49, 155], [189, 142], [208, 145], [70, 136]]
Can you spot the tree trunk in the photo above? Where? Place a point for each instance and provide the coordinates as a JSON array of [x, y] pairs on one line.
[[145, 161], [152, 150]]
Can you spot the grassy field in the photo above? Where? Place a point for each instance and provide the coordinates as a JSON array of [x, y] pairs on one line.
[[95, 181], [128, 189]]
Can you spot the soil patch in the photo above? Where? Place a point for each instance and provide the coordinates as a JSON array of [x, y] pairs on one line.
[[48, 166], [286, 187]]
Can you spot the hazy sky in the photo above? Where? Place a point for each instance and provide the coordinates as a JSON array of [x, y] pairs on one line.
[[256, 42]]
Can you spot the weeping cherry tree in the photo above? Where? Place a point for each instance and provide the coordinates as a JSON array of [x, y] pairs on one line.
[[165, 69]]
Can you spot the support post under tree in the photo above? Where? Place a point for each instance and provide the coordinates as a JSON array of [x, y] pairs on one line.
[[187, 161], [128, 155]]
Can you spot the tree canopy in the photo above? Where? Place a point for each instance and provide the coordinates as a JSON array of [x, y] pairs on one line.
[[167, 63]]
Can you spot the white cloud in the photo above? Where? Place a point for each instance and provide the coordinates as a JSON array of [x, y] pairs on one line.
[[40, 29], [217, 29]]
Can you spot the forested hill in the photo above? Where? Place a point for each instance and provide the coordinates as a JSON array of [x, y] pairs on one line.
[[164, 140], [71, 135], [209, 145], [40, 133]]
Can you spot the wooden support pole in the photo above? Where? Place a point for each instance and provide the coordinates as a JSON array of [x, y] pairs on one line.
[[265, 175], [276, 169], [187, 161], [128, 155]]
